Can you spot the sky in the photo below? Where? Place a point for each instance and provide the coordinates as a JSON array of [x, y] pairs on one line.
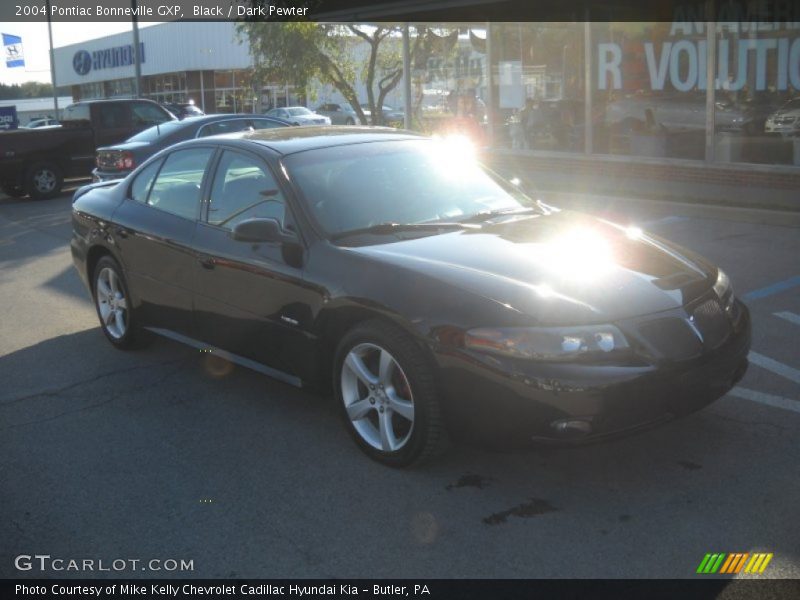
[[36, 48]]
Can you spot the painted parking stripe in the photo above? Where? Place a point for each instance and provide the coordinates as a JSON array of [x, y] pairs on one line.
[[770, 364], [789, 316], [766, 399], [663, 221], [775, 288]]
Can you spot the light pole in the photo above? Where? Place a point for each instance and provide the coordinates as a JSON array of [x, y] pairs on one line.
[[52, 62]]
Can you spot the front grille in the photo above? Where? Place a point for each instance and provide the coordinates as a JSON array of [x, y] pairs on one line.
[[784, 120], [711, 322], [671, 337]]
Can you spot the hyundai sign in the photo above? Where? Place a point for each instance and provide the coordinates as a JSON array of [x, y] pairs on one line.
[[108, 58], [8, 118]]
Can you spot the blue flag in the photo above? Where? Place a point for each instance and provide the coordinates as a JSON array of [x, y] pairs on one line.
[[13, 50]]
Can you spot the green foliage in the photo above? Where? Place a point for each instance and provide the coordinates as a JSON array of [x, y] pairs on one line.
[[300, 52], [29, 89]]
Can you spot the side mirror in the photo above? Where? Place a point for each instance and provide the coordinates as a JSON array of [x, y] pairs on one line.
[[261, 230]]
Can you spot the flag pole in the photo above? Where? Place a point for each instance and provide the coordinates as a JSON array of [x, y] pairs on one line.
[[52, 62]]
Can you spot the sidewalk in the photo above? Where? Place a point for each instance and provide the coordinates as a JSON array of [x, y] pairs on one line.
[[761, 187]]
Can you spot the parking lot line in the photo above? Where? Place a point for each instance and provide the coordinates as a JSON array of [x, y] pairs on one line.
[[663, 221], [766, 399], [770, 364], [772, 289], [789, 316]]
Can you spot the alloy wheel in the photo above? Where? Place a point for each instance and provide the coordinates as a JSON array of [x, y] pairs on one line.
[[111, 303], [377, 397]]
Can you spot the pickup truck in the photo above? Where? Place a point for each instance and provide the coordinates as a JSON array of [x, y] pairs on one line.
[[35, 162]]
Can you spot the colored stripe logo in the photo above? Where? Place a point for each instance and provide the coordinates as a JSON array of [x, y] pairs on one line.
[[729, 564]]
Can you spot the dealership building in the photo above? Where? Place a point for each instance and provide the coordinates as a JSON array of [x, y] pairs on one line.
[[198, 61], [666, 108]]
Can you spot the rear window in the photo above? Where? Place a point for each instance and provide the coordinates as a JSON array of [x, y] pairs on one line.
[[153, 133], [76, 112]]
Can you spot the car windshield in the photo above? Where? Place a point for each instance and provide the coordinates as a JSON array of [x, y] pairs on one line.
[[298, 111], [156, 131], [347, 188]]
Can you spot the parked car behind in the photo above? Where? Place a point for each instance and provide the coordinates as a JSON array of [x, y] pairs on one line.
[[183, 110], [786, 119], [299, 115], [427, 293], [37, 123], [339, 114], [36, 161], [390, 116], [115, 162]]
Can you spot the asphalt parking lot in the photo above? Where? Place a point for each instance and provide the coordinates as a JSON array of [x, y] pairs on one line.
[[165, 454]]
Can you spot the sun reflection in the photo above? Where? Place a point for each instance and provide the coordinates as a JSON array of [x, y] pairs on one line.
[[452, 153], [581, 254]]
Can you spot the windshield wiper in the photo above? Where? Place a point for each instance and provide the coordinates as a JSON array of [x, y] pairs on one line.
[[392, 227], [485, 215]]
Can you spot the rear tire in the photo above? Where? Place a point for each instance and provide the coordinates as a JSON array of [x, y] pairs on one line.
[[388, 396], [43, 180], [350, 122], [114, 306]]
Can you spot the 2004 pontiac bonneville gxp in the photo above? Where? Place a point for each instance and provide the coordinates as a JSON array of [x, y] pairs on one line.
[[429, 294]]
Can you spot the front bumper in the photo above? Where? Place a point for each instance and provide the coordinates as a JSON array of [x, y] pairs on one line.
[[491, 397]]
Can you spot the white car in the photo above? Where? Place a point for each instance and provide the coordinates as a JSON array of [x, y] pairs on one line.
[[37, 123], [298, 115], [785, 120]]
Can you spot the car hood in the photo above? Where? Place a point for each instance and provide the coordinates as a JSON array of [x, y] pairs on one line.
[[787, 112], [558, 268]]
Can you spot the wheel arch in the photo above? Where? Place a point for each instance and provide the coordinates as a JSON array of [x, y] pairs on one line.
[[334, 323], [93, 256]]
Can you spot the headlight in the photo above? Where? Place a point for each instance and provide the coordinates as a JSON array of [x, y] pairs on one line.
[[549, 343], [724, 290]]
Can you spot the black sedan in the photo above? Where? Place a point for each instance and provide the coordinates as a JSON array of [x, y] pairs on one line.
[[427, 293], [115, 162]]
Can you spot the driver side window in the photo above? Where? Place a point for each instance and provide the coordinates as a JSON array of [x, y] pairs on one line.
[[244, 188]]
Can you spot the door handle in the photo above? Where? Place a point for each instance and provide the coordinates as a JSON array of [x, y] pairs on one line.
[[206, 261]]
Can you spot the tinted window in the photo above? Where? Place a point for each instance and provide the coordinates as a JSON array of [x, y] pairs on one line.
[[265, 124], [140, 187], [243, 188], [350, 187], [298, 111], [113, 115], [156, 131], [148, 114], [225, 127], [177, 187]]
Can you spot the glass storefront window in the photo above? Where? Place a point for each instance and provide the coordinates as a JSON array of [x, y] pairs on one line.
[[649, 89], [449, 82], [539, 83], [757, 102]]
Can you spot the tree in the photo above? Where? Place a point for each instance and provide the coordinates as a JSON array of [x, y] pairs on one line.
[[299, 52]]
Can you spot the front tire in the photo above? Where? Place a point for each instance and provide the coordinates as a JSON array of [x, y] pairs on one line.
[[387, 395], [43, 180], [114, 305]]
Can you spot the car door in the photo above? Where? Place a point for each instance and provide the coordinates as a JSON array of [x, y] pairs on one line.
[[249, 298], [154, 230]]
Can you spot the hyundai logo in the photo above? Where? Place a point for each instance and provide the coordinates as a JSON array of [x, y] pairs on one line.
[[82, 62]]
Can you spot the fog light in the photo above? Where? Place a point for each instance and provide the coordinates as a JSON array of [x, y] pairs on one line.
[[574, 427]]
